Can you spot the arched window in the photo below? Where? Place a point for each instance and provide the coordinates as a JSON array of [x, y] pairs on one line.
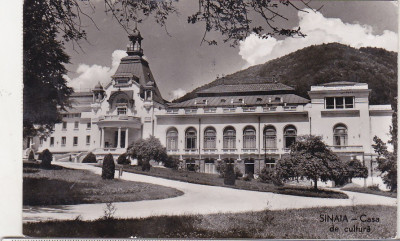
[[289, 135], [249, 138], [340, 135], [191, 138], [172, 139], [229, 138], [210, 138], [269, 137]]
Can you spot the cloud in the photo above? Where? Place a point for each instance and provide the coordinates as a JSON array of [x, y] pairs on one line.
[[319, 30], [89, 76], [178, 93]]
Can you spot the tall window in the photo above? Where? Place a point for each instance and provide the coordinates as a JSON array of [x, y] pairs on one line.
[[269, 137], [88, 125], [51, 141], [340, 135], [75, 140], [76, 125], [289, 135], [229, 138], [172, 139], [210, 137], [64, 125], [249, 138], [87, 140], [63, 141], [190, 138]]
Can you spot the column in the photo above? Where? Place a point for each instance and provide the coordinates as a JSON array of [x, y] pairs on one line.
[[126, 138], [119, 138], [102, 138]]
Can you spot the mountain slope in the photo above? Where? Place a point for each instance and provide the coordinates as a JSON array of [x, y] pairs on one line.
[[320, 64]]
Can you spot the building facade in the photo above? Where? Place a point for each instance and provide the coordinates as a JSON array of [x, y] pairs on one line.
[[251, 125]]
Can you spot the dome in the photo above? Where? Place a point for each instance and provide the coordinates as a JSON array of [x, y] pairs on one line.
[[98, 87]]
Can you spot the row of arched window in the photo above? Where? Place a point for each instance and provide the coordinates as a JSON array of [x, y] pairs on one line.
[[249, 137]]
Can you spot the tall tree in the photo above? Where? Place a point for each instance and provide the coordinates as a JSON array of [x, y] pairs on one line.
[[45, 89]]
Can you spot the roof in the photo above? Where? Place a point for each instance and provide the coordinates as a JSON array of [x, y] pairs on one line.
[[77, 109], [256, 87], [136, 66], [244, 100], [340, 83]]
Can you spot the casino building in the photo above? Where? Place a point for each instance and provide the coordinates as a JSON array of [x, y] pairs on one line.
[[252, 125]]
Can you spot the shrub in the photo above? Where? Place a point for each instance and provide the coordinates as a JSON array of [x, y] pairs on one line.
[[230, 176], [356, 169], [123, 159], [269, 176], [374, 187], [31, 156], [89, 158], [172, 162], [238, 173], [221, 169], [108, 169], [146, 166], [47, 157]]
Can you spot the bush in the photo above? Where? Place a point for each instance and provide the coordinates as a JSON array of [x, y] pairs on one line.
[[172, 162], [108, 169], [238, 173], [356, 169], [89, 158], [230, 176], [146, 166], [221, 168], [47, 157], [374, 187], [31, 156], [269, 176], [123, 159]]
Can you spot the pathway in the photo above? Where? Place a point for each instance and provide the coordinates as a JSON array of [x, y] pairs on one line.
[[198, 199]]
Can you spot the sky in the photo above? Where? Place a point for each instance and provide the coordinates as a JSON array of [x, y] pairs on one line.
[[180, 62]]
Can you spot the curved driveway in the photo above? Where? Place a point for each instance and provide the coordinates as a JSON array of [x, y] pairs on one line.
[[198, 199]]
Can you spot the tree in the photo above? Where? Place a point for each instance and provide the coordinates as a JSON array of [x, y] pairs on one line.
[[230, 176], [108, 168], [31, 156], [45, 90], [313, 160], [47, 157], [123, 159], [355, 168], [147, 150], [387, 163]]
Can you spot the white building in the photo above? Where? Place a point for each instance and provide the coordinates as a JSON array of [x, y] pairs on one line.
[[252, 125]]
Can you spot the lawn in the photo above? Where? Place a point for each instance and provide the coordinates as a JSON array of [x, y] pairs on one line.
[[371, 191], [63, 186], [253, 185], [293, 224]]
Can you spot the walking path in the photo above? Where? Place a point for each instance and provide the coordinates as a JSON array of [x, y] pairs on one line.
[[198, 199]]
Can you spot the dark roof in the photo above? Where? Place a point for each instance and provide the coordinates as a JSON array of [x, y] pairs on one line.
[[256, 87], [249, 100], [136, 66]]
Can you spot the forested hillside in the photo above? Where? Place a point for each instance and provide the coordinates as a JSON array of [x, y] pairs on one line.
[[322, 64]]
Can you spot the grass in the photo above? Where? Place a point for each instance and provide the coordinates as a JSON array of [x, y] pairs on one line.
[[371, 191], [63, 186], [253, 185], [293, 224]]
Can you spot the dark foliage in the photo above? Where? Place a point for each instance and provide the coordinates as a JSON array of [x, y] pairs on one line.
[[230, 176], [108, 169], [47, 157], [387, 162], [123, 159], [172, 162], [355, 168], [45, 89], [89, 158], [31, 156], [269, 176], [324, 63]]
